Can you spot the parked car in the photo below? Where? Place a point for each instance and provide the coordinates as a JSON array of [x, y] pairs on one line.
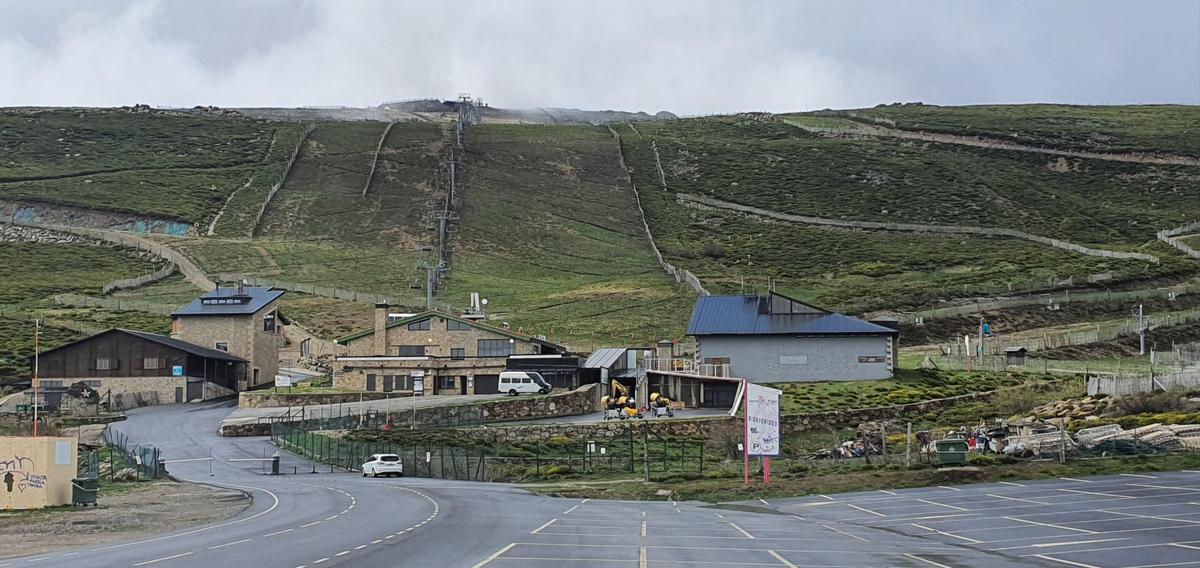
[[383, 464], [517, 382]]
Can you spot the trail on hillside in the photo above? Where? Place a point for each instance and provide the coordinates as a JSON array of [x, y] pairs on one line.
[[995, 144]]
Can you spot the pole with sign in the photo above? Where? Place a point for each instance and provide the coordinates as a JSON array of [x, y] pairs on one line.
[[761, 427]]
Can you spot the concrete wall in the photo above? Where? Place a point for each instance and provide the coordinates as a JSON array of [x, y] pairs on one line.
[[36, 472], [245, 337], [787, 358]]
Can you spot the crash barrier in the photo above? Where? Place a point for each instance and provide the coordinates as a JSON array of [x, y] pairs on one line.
[[145, 460], [638, 451]]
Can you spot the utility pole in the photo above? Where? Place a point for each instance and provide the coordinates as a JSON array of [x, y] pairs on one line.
[[37, 331]]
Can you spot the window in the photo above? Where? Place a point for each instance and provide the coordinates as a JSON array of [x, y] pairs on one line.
[[423, 325], [526, 380], [222, 346], [446, 383], [104, 364], [50, 384], [495, 347], [412, 350], [458, 353], [454, 325], [269, 323], [151, 363]]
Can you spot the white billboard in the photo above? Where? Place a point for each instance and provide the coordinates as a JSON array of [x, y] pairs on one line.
[[284, 380], [762, 420]]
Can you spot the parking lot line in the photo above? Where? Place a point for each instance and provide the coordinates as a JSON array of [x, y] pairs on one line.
[[643, 527], [1181, 545], [845, 533], [925, 560], [548, 523], [1076, 480], [781, 559], [1147, 517], [1017, 499], [1114, 496], [1060, 527], [494, 555], [943, 533], [1137, 475], [941, 504], [568, 511], [1073, 542], [1067, 562], [739, 529], [1011, 483], [642, 557], [852, 505], [1161, 487]]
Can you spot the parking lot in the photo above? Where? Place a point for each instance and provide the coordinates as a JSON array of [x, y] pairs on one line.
[[1121, 521], [680, 535]]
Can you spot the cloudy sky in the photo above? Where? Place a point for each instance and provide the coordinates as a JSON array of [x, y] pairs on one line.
[[690, 56]]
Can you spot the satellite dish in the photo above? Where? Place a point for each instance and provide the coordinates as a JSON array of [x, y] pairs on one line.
[[483, 301]]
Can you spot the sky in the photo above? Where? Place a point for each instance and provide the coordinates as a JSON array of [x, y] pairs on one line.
[[688, 57]]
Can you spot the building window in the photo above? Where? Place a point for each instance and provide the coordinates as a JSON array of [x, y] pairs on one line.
[[412, 350], [455, 325], [151, 363], [222, 346], [495, 347], [269, 323], [446, 383], [423, 325], [104, 364], [458, 353], [50, 384]]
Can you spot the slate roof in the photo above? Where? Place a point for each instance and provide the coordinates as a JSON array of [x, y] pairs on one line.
[[744, 315], [259, 298], [163, 340]]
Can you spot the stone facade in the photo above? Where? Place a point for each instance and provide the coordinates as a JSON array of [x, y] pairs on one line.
[[449, 364], [243, 334], [267, 399], [134, 392]]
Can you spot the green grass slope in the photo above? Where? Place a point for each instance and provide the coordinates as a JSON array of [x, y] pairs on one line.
[[551, 235]]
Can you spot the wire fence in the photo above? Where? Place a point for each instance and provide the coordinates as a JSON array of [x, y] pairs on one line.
[[1049, 300], [119, 304], [146, 460]]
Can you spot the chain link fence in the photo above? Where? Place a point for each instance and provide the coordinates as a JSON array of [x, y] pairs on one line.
[[144, 459]]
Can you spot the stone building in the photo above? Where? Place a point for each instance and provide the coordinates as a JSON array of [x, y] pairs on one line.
[[241, 321], [431, 353]]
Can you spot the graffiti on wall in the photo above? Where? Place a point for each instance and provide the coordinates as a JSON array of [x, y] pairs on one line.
[[16, 476]]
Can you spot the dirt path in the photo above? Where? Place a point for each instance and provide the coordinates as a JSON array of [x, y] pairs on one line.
[[991, 143], [142, 510]]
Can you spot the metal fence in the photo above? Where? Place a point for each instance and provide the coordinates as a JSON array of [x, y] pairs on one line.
[[124, 283], [118, 304], [144, 459], [1047, 299], [310, 289]]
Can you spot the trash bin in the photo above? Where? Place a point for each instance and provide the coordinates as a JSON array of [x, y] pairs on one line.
[[952, 452], [84, 490]]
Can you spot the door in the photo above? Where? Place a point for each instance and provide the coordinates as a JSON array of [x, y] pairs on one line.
[[371, 383], [178, 395], [195, 390], [719, 395], [389, 383], [462, 382], [487, 384]]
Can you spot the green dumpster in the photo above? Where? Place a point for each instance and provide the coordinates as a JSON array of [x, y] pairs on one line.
[[84, 490], [952, 452]]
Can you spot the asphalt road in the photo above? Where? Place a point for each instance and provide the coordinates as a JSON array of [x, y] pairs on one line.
[[309, 520]]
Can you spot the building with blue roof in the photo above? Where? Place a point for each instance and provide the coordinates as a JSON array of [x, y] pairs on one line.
[[240, 320], [774, 339]]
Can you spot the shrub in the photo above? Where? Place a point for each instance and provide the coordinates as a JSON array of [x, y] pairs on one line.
[[556, 470], [713, 250], [1011, 402], [981, 459], [725, 439], [1151, 403]]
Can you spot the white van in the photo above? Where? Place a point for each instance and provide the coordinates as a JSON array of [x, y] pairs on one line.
[[517, 382]]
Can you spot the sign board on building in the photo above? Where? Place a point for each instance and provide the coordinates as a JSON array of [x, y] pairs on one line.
[[762, 420], [177, 371], [284, 380], [418, 379]]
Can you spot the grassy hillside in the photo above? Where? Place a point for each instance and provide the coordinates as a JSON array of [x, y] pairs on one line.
[[180, 166], [784, 170], [1168, 129], [551, 235]]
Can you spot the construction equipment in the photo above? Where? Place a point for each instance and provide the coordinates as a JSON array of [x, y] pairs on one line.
[[620, 404], [661, 405]]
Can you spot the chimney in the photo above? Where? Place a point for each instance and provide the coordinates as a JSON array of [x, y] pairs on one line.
[[381, 321]]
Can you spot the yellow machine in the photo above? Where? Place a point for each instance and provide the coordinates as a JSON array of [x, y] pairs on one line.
[[661, 405], [620, 405]]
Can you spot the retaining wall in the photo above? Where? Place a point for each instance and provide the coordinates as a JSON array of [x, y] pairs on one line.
[[268, 399]]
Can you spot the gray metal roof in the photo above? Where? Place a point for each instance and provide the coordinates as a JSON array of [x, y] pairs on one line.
[[184, 346], [258, 298], [750, 315], [604, 358]]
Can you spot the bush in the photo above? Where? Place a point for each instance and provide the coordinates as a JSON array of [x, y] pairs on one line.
[[1151, 403], [713, 250], [1017, 401], [981, 459]]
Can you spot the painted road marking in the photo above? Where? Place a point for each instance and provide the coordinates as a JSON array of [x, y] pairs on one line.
[[719, 515], [764, 502], [278, 532], [342, 553], [1060, 527], [643, 527], [1075, 480], [865, 510], [1161, 487], [950, 488], [925, 560], [331, 518], [941, 504], [1067, 562], [162, 559], [209, 527], [377, 541], [568, 511], [1114, 496], [310, 524], [886, 491], [494, 555], [229, 544], [1053, 544], [845, 533], [1180, 545], [826, 497], [642, 558], [1137, 475], [1017, 499], [360, 547], [1011, 483], [739, 529], [539, 529], [781, 559], [1147, 516], [321, 560], [943, 533]]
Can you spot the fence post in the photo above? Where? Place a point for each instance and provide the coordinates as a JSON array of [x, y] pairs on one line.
[[908, 446]]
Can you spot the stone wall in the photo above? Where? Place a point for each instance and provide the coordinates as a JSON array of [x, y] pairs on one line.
[[582, 400], [599, 431], [243, 334], [268, 399]]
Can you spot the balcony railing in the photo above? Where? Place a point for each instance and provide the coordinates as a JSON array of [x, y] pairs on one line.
[[689, 366]]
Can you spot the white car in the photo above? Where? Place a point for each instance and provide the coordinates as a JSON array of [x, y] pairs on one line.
[[383, 464]]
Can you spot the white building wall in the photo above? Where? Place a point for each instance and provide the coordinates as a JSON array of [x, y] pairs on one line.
[[789, 358]]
